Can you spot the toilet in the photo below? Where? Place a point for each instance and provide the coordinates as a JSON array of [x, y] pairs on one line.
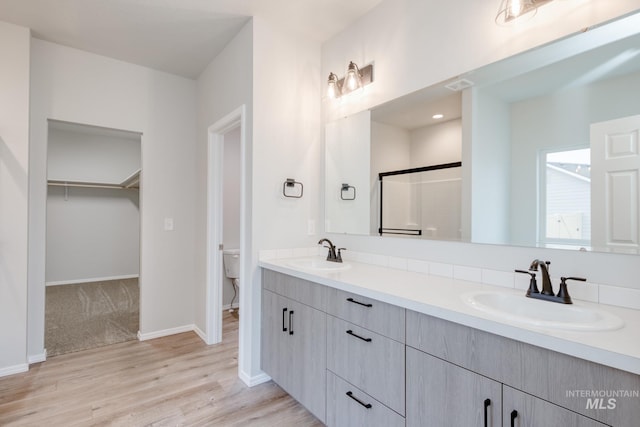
[[231, 261]]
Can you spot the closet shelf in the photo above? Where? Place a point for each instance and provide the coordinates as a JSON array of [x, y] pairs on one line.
[[132, 181]]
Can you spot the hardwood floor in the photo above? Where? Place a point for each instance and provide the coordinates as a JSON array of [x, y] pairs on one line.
[[171, 381]]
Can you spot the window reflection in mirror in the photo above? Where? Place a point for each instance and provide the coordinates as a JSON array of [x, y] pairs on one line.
[[565, 194]]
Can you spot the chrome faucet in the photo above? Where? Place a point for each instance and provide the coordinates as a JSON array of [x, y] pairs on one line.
[[332, 256], [547, 293]]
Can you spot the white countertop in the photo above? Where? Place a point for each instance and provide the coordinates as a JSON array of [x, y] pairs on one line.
[[442, 297]]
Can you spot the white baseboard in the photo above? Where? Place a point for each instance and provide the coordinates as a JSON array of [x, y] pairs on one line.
[[254, 380], [37, 358], [92, 279], [15, 369], [201, 334], [165, 332]]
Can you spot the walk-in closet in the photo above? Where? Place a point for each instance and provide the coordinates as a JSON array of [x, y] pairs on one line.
[[92, 237]]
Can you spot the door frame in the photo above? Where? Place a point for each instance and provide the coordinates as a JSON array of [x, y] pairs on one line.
[[215, 164]]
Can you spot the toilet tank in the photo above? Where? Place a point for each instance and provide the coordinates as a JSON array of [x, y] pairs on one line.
[[231, 259]]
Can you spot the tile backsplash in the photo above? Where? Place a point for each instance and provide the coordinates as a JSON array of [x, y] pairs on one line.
[[585, 291]]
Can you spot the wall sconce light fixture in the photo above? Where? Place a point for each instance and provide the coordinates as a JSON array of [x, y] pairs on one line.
[[512, 9], [354, 80]]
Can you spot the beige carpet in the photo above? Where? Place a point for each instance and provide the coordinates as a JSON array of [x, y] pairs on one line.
[[88, 315]]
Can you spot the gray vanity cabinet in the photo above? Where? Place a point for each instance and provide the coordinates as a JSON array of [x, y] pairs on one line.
[[356, 361], [441, 394], [294, 341], [531, 411]]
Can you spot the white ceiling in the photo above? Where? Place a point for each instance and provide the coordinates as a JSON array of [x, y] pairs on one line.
[[416, 109], [176, 36]]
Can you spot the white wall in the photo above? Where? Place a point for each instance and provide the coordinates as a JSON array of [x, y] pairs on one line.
[[14, 172], [92, 234], [231, 204], [347, 141], [287, 92], [436, 144], [223, 86], [490, 171], [405, 40], [76, 86], [80, 156]]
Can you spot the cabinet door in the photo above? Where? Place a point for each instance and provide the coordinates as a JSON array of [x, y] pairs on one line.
[[293, 346], [276, 355], [524, 410], [308, 367], [442, 394]]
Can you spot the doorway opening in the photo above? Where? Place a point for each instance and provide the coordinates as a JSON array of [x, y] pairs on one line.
[[92, 293], [226, 226], [231, 228]]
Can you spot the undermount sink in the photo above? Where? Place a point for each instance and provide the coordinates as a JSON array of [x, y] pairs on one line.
[[544, 314], [318, 264]]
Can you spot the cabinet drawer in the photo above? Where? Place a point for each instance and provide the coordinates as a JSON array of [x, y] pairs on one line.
[[370, 361], [380, 317], [309, 293], [348, 406]]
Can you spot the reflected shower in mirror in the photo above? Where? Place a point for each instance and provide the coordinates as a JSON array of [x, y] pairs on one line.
[[423, 202]]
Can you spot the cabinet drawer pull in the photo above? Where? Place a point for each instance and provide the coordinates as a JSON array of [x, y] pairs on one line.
[[284, 312], [291, 322], [350, 332], [487, 403], [359, 303], [514, 415], [366, 405]]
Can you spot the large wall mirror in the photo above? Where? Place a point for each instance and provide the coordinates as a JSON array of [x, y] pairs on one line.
[[539, 149]]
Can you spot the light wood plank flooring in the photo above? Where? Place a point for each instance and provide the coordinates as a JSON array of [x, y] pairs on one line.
[[171, 381]]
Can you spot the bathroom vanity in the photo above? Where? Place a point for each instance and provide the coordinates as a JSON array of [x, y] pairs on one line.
[[373, 346]]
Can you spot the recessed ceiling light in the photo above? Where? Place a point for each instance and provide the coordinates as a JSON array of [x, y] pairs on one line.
[[437, 116]]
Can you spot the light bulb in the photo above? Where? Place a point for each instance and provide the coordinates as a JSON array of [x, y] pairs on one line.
[[352, 81], [333, 90], [516, 8]]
